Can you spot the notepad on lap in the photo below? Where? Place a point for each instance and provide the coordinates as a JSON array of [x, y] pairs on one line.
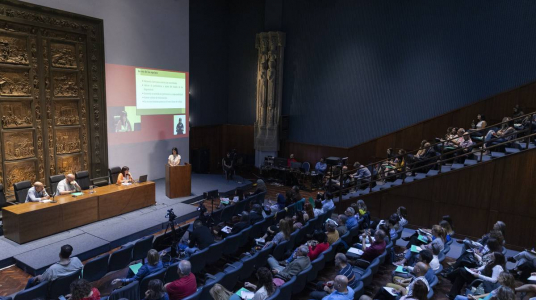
[[390, 290], [422, 239], [400, 269], [355, 251], [532, 278], [135, 267], [415, 249], [227, 229], [245, 294]]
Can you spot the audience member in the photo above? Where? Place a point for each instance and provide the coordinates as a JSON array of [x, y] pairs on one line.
[[200, 238], [504, 279], [299, 264], [402, 213], [185, 285], [525, 263], [331, 231], [156, 291], [243, 224], [376, 248], [152, 266], [261, 188], [340, 290], [327, 203], [419, 270], [341, 221], [267, 287], [218, 292], [351, 221], [228, 166], [318, 208], [321, 166], [64, 267], [255, 214], [81, 290], [345, 269], [290, 160], [283, 234]]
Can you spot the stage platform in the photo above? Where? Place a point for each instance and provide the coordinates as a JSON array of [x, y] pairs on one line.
[[93, 239]]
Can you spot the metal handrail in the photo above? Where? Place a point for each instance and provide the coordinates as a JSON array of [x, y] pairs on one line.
[[441, 160]]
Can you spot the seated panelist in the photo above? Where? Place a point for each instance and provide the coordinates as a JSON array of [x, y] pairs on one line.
[[37, 193], [124, 176], [67, 186], [174, 159]]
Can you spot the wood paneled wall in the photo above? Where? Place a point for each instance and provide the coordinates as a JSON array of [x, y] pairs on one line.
[[220, 139], [475, 197], [409, 138]]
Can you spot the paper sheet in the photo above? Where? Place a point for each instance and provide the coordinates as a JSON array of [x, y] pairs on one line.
[[355, 251]]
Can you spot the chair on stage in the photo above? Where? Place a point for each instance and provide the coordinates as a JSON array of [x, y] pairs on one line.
[[82, 178], [21, 190], [114, 173], [54, 180], [3, 200]]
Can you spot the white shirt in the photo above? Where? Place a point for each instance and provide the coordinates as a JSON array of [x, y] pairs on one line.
[[174, 160], [434, 264], [65, 186]]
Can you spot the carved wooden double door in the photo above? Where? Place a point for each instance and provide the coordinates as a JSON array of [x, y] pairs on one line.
[[44, 96]]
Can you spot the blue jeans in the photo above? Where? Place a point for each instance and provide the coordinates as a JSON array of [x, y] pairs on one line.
[[460, 297], [31, 283], [189, 251]]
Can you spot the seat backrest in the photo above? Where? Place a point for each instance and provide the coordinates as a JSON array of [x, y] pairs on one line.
[[215, 251], [120, 259], [248, 266], [262, 256], [291, 209], [301, 234], [359, 290], [3, 200], [268, 221], [61, 286], [162, 241], [301, 280], [285, 291], [171, 273], [439, 270], [231, 277], [441, 257], [141, 247], [375, 264], [21, 190], [280, 215], [306, 167], [195, 296], [292, 240], [256, 230], [198, 260], [244, 236], [54, 179], [130, 291], [382, 257], [366, 278], [318, 264], [279, 250], [274, 296], [96, 268], [240, 206], [114, 172], [227, 213], [231, 244], [36, 292], [347, 238], [205, 293], [145, 281], [82, 178]]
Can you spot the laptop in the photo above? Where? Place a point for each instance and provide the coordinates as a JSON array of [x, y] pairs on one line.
[[143, 178]]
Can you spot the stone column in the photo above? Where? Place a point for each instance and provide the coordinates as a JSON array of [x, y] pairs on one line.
[[270, 46]]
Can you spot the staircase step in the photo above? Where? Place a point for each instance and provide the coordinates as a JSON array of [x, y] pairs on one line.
[[445, 169], [420, 176], [511, 150], [456, 166], [386, 185], [524, 146], [470, 162], [397, 182], [496, 154], [409, 179], [432, 173]]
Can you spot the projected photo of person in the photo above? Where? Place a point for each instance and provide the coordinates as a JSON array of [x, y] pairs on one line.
[[123, 125], [179, 124], [124, 119]]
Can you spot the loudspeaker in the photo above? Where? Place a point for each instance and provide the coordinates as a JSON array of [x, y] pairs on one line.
[[201, 160]]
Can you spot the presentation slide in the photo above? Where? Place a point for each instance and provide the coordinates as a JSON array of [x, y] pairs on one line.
[[146, 104], [160, 92]]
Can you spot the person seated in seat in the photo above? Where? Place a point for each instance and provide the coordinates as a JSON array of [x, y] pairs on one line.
[[327, 202], [261, 188], [255, 214], [426, 257], [152, 266], [341, 221], [300, 263], [219, 292], [282, 235], [243, 224], [402, 214], [362, 174], [318, 210], [66, 266], [418, 286], [323, 289], [392, 226], [489, 273], [376, 248], [498, 231], [290, 160], [340, 289], [81, 290], [505, 134], [185, 286], [200, 238], [331, 232], [267, 287], [316, 246], [37, 193], [124, 177], [437, 236], [321, 166], [351, 221], [518, 111], [504, 280], [156, 291], [68, 186], [525, 263], [465, 147]]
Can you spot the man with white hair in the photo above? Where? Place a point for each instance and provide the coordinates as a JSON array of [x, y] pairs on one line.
[[37, 193], [67, 186], [185, 285], [300, 263]]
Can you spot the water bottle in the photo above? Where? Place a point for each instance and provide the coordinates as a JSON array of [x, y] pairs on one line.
[[479, 290]]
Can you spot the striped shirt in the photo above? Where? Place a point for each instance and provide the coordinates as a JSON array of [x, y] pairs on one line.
[[349, 273]]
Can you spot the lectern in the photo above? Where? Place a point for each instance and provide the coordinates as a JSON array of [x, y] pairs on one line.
[[178, 181]]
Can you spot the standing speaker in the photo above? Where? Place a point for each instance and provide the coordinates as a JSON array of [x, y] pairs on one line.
[[201, 160]]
